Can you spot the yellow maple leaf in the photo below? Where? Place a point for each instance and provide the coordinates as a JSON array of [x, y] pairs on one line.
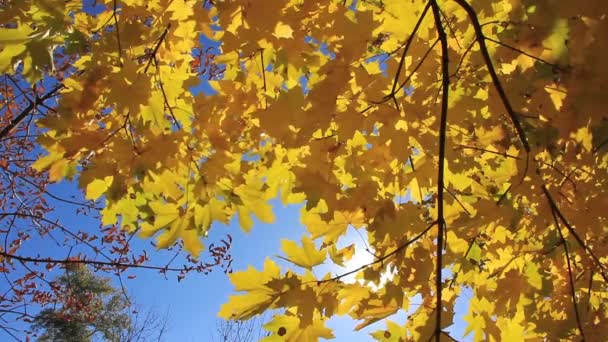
[[289, 328], [257, 297], [98, 187], [245, 306], [251, 199], [351, 297], [474, 318], [306, 256], [252, 279], [373, 314], [476, 325], [533, 275], [283, 30], [342, 255], [584, 137], [393, 332]]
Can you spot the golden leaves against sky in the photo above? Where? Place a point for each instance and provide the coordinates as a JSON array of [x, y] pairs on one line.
[[351, 107]]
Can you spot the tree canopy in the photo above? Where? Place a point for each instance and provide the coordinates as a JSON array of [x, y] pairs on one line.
[[467, 139]]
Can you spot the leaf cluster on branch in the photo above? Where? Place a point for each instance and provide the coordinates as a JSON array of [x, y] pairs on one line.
[[467, 140]]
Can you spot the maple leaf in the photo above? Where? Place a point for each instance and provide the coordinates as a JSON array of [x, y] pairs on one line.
[[97, 187], [258, 296], [306, 256]]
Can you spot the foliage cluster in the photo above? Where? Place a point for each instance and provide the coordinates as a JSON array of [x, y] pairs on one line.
[[466, 138]]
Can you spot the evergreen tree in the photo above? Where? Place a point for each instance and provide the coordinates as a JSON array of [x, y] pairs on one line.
[[90, 308]]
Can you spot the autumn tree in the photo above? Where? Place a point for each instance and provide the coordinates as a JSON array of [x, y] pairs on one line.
[[465, 139], [89, 307]]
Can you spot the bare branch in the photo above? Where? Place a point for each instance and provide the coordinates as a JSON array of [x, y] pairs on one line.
[[71, 261]]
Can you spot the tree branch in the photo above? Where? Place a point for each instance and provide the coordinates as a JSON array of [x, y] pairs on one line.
[[488, 61], [557, 211], [570, 279], [405, 49], [28, 110], [27, 259], [115, 15], [380, 259], [441, 229], [156, 47]]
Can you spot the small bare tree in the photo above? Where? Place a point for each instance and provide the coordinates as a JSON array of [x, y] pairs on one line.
[[145, 326], [239, 331]]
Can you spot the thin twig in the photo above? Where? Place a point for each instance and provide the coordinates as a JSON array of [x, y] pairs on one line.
[[599, 146], [263, 76], [86, 262], [156, 47], [405, 49], [504, 195], [378, 260], [462, 57], [426, 54], [452, 32], [115, 15], [506, 155], [19, 88], [571, 230], [555, 66], [162, 90], [571, 280], [457, 200], [561, 173]]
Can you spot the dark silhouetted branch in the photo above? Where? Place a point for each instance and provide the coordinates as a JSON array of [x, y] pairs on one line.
[[445, 81]]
